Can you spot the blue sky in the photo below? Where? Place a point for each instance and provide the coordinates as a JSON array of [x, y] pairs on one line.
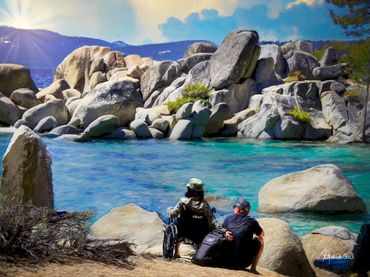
[[146, 21]]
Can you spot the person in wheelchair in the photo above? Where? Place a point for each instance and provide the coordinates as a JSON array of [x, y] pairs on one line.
[[195, 218]]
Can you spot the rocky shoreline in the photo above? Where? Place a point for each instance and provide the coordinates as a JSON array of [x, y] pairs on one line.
[[251, 91]]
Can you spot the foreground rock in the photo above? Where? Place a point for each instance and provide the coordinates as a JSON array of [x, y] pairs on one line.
[[331, 241], [283, 251], [26, 172], [133, 224], [15, 76], [9, 113], [235, 59], [101, 126], [120, 98], [24, 97], [322, 189]]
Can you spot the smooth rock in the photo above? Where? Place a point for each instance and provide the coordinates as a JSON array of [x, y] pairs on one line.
[[96, 66], [75, 68], [283, 251], [155, 133], [265, 75], [301, 61], [331, 72], [159, 75], [160, 124], [46, 124], [9, 112], [132, 224], [97, 78], [219, 114], [140, 128], [199, 74], [20, 122], [13, 77], [101, 126], [274, 51], [65, 130], [54, 89], [304, 46], [188, 63], [199, 47], [114, 59], [185, 111], [26, 170], [325, 242], [55, 108], [116, 98], [236, 96], [330, 57], [234, 59], [322, 189], [122, 134], [182, 130], [24, 97]]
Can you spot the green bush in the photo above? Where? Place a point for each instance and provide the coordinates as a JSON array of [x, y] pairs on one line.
[[295, 76], [300, 115], [191, 94], [196, 91]]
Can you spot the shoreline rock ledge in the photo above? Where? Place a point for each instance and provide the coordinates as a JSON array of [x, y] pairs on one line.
[[321, 189]]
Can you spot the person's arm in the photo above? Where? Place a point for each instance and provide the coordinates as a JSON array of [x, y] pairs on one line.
[[258, 231], [212, 221], [174, 212]]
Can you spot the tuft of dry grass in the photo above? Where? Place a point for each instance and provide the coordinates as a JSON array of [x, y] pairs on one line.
[[32, 235]]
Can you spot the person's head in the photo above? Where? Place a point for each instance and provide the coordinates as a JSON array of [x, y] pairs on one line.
[[195, 188], [242, 207]]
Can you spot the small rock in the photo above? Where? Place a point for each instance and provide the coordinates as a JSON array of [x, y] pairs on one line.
[[46, 124]]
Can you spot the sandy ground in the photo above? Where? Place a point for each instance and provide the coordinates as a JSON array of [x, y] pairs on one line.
[[144, 267]]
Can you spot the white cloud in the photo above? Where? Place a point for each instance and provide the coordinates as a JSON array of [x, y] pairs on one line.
[[307, 2]]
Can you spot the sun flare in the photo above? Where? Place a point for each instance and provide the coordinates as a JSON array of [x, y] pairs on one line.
[[19, 14]]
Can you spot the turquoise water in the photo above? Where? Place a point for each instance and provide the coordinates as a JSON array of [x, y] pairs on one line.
[[100, 175]]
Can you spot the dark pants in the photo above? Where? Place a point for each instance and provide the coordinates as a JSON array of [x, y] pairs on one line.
[[240, 260]]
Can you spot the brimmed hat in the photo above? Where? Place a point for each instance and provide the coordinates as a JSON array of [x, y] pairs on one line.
[[195, 184], [242, 204]]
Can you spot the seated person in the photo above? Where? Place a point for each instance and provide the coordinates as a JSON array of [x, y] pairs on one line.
[[245, 238], [195, 216]]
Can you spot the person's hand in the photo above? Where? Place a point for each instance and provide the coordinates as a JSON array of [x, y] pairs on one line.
[[229, 236]]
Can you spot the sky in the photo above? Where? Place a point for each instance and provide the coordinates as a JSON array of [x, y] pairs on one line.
[[149, 21]]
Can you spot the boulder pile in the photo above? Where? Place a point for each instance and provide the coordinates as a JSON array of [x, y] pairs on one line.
[[249, 93]]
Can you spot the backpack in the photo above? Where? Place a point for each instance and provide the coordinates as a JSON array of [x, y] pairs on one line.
[[169, 240], [209, 252]]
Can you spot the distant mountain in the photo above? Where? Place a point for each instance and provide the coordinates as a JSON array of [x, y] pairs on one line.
[[44, 49]]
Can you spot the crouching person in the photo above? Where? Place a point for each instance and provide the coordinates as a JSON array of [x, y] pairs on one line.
[[245, 238], [195, 218]]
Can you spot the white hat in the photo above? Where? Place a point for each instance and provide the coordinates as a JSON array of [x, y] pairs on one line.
[[195, 184]]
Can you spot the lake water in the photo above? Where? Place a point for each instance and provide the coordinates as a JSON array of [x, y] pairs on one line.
[[103, 174]]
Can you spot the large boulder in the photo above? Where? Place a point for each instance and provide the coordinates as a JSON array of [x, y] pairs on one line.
[[55, 89], [26, 173], [140, 128], [304, 46], [119, 98], [188, 63], [65, 130], [327, 242], [199, 74], [182, 130], [132, 224], [322, 189], [330, 57], [336, 115], [283, 250], [9, 112], [15, 76], [330, 72], [24, 97], [104, 124], [274, 51], [219, 114], [75, 68], [55, 108], [235, 59], [157, 76], [236, 96], [199, 47], [265, 75], [301, 61]]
